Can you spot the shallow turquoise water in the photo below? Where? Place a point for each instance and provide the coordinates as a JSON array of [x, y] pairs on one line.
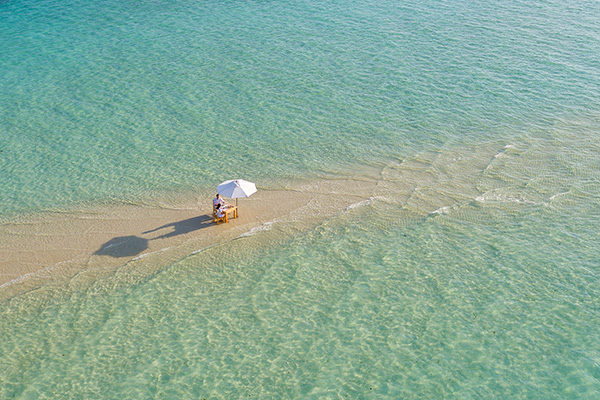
[[487, 300], [122, 101], [480, 281]]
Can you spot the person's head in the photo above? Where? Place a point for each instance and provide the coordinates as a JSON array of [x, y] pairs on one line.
[[218, 195]]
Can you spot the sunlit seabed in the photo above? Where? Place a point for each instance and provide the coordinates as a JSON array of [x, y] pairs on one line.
[[469, 271], [473, 278], [436, 307]]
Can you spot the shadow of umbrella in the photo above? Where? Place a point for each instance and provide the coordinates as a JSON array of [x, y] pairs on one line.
[[124, 246]]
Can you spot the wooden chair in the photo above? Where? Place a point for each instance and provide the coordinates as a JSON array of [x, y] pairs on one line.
[[225, 217], [217, 219]]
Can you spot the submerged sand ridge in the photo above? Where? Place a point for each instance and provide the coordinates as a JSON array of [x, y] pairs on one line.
[[76, 248], [87, 244]]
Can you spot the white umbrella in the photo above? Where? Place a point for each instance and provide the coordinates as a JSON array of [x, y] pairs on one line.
[[236, 188]]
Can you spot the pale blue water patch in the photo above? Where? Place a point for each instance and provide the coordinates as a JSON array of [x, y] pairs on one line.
[[105, 101]]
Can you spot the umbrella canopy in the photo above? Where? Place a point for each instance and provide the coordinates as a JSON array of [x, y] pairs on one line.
[[236, 188]]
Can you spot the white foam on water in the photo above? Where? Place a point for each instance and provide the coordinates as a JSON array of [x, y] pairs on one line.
[[25, 277], [559, 194], [359, 204], [499, 154], [148, 254], [201, 250], [366, 202], [262, 228], [499, 196], [19, 279], [442, 210]]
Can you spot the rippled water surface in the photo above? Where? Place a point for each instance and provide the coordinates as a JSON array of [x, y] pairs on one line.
[[471, 271]]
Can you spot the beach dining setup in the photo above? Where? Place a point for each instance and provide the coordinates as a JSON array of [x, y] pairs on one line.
[[233, 189]]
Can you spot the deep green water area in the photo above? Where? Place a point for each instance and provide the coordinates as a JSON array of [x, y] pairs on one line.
[[472, 272]]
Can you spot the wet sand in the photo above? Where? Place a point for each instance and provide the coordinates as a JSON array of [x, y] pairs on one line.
[[78, 247], [73, 249]]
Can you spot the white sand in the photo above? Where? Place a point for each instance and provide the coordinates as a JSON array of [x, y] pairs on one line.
[[78, 247], [72, 249]]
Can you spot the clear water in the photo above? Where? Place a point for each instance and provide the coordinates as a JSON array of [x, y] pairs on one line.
[[472, 271]]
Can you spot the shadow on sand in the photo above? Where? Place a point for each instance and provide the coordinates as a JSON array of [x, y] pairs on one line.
[[183, 227], [123, 246], [128, 246]]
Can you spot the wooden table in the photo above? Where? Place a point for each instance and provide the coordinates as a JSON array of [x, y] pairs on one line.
[[230, 210]]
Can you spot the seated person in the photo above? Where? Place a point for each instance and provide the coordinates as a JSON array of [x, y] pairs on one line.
[[218, 201], [220, 211]]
